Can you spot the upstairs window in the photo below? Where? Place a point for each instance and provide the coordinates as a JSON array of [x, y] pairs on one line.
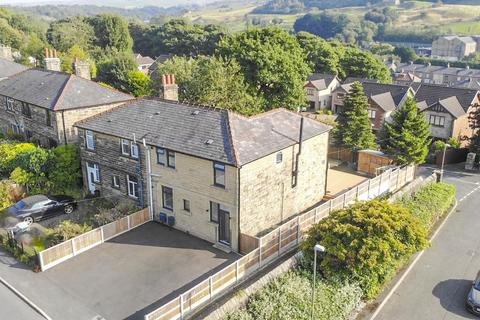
[[310, 92], [10, 104], [48, 119], [372, 114], [219, 174], [129, 148], [279, 158], [90, 140], [166, 157], [438, 121], [26, 110], [125, 147]]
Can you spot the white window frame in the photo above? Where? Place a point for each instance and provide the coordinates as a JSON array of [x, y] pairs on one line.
[[125, 143], [372, 114], [96, 172], [10, 104], [132, 186], [134, 150], [116, 182], [279, 157], [89, 140], [436, 120], [16, 128]]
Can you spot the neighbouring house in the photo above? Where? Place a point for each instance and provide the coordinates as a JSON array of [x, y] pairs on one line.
[[319, 88], [144, 63], [42, 105], [218, 174], [453, 48], [447, 109], [9, 68], [405, 78], [383, 99], [444, 75], [153, 69]]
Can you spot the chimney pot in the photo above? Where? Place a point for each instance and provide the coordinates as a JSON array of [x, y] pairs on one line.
[[173, 79], [52, 62]]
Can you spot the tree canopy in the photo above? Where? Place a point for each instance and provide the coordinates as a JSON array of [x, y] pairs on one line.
[[320, 53], [115, 71], [272, 62]]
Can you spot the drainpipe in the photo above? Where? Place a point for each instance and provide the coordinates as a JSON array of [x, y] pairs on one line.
[[297, 157], [238, 210], [64, 129], [140, 173], [149, 179]]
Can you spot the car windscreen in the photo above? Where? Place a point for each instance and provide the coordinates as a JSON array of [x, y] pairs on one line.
[[477, 285], [20, 205]]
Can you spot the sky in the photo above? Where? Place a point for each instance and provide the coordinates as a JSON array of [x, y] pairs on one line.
[[133, 2]]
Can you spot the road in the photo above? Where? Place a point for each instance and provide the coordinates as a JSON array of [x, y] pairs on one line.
[[12, 307], [437, 286]]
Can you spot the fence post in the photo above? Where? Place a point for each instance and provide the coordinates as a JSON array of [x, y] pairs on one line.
[[279, 239], [128, 222], [101, 233], [210, 282], [181, 307], [331, 204], [237, 267], [260, 252], [298, 229], [40, 260], [73, 247], [315, 216], [368, 191], [345, 199]]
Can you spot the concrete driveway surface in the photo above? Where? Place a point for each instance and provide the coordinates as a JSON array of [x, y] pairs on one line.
[[12, 307], [437, 286], [124, 278]]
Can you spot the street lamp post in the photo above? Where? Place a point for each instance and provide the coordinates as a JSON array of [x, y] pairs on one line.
[[317, 248], [443, 160]]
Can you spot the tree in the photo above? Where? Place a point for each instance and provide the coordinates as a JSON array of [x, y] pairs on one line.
[[111, 32], [363, 64], [320, 53], [366, 243], [212, 81], [114, 71], [67, 172], [272, 62], [406, 54], [139, 84], [354, 128], [76, 52], [407, 135], [74, 31]]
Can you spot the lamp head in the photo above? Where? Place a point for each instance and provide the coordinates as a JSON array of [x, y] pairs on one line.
[[319, 248]]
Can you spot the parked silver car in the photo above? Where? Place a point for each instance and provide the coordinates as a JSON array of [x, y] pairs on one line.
[[473, 299]]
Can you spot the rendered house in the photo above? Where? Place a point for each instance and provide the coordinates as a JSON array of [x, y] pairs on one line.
[[447, 110], [383, 99], [43, 104], [144, 63], [319, 88], [219, 174], [453, 48]]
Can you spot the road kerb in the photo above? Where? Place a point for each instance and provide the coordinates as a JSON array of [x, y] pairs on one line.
[[410, 267], [28, 301]]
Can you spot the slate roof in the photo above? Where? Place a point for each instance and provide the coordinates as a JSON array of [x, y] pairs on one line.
[[9, 68], [143, 59], [425, 68], [432, 94], [232, 139], [321, 81], [58, 91]]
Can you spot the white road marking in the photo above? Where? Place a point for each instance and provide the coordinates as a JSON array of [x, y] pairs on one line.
[[469, 194]]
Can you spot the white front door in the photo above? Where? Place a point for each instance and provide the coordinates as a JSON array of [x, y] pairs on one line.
[[92, 176]]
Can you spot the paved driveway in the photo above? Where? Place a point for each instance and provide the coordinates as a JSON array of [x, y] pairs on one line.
[[437, 286], [137, 271]]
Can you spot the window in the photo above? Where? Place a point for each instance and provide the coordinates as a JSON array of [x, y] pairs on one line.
[[340, 95], [90, 140], [116, 182], [166, 157], [16, 128], [372, 114], [219, 174], [186, 205], [132, 186], [95, 171], [48, 119], [438, 121], [167, 197], [279, 158], [215, 208], [10, 103], [26, 110], [310, 92], [129, 148]]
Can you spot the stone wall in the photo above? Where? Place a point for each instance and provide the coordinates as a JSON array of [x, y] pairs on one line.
[[108, 156], [34, 126], [266, 193], [192, 179]]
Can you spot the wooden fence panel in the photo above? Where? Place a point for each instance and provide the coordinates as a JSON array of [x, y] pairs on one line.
[[323, 211], [337, 203], [248, 243], [139, 218], [224, 278], [115, 228], [56, 254], [87, 240], [350, 196], [196, 296], [385, 182], [363, 191], [169, 311], [374, 188], [394, 180]]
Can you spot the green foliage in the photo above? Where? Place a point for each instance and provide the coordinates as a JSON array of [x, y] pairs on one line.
[[66, 230], [366, 242], [452, 141], [9, 153], [406, 54], [67, 172], [407, 135], [354, 128], [289, 297], [438, 146], [115, 70], [67, 33], [430, 203], [32, 169], [359, 63], [139, 84], [213, 81], [107, 214], [111, 33], [273, 63], [320, 54], [6, 194], [76, 52]]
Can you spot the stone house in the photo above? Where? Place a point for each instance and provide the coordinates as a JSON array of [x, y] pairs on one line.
[[143, 63], [383, 99], [43, 105], [447, 110], [319, 88], [453, 48], [217, 173]]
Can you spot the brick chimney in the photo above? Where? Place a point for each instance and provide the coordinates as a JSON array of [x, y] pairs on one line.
[[169, 89], [6, 52], [52, 61], [82, 69]]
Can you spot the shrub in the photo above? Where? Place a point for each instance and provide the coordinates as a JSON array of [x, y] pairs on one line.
[[67, 173], [9, 153], [64, 231], [6, 195], [430, 203], [289, 297], [366, 242]]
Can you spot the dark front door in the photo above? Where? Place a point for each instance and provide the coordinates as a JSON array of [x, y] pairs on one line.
[[224, 227]]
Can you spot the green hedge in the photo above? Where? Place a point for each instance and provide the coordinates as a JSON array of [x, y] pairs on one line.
[[289, 297], [430, 203]]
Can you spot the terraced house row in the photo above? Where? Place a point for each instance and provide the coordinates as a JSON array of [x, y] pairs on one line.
[[209, 172]]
